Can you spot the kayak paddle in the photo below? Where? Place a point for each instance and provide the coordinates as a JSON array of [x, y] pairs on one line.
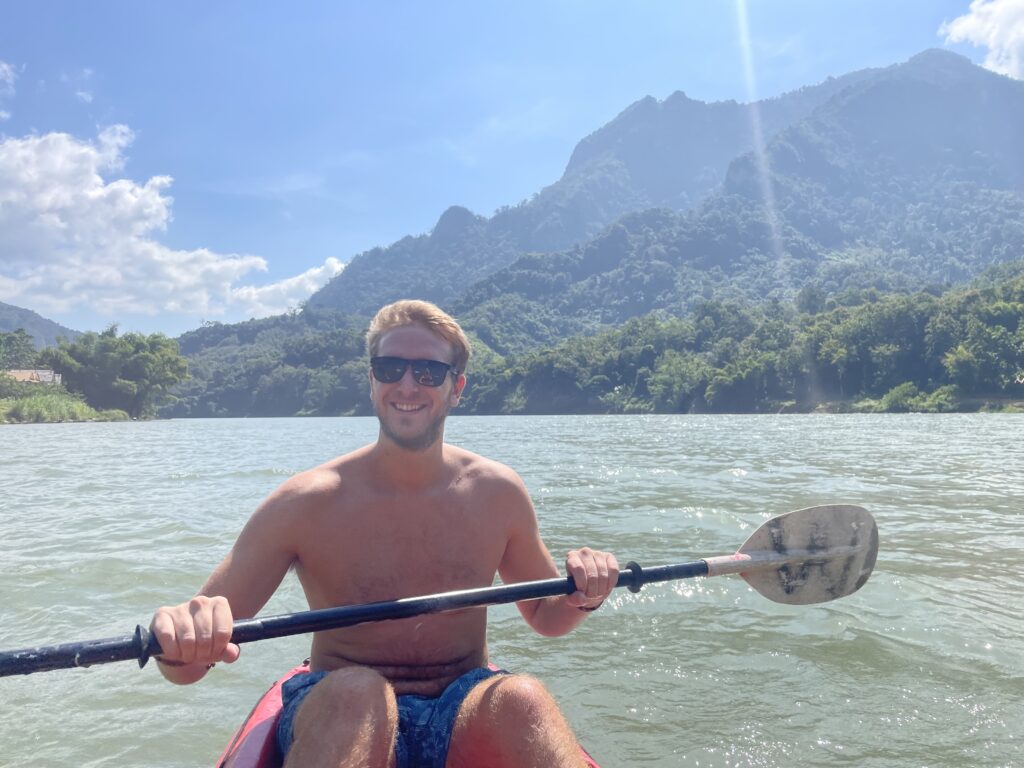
[[810, 556]]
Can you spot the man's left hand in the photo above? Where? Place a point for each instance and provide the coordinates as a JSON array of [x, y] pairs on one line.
[[595, 573]]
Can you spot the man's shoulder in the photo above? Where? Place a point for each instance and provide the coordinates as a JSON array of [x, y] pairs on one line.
[[483, 472], [467, 461], [324, 480]]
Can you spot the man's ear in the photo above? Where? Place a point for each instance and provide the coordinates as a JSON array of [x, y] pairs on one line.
[[456, 393]]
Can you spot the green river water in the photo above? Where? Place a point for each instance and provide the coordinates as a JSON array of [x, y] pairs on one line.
[[924, 667]]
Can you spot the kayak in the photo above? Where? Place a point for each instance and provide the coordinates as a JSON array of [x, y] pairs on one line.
[[254, 744]]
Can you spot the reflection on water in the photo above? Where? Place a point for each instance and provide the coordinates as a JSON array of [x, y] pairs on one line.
[[100, 523]]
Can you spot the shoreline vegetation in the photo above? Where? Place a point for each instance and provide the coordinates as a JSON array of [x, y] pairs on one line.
[[67, 409], [102, 377], [51, 406], [33, 403], [934, 351], [939, 350]]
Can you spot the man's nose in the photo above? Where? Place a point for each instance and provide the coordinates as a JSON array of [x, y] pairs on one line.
[[408, 381]]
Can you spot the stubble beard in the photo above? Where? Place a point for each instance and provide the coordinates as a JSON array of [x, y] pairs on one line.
[[416, 443]]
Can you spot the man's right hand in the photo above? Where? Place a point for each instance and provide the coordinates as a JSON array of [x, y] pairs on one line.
[[194, 636]]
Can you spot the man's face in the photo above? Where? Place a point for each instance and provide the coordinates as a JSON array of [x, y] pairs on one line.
[[411, 414]]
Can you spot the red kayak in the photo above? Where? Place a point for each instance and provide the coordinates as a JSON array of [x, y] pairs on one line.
[[254, 744]]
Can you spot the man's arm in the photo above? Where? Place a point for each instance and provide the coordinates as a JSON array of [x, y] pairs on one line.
[[526, 558], [196, 634]]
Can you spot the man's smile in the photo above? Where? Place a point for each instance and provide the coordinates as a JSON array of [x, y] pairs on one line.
[[408, 407]]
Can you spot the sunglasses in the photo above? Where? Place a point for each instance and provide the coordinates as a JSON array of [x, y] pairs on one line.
[[429, 373]]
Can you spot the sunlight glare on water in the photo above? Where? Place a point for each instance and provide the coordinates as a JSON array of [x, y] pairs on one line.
[[101, 523]]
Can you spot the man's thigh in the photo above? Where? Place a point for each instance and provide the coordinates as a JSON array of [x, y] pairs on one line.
[[511, 718]]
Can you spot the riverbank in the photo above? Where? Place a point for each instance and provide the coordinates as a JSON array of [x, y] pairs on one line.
[[52, 407], [937, 402], [49, 410]]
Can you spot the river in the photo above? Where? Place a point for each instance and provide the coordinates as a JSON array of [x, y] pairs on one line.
[[924, 666]]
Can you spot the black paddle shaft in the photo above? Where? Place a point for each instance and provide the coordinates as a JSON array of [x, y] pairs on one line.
[[142, 644]]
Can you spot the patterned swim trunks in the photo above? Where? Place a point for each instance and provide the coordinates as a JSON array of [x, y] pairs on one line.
[[424, 725]]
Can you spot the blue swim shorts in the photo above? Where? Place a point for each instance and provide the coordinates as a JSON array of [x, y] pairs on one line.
[[424, 725]]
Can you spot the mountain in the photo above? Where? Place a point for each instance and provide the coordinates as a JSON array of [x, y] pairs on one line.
[[43, 332], [435, 267], [904, 180], [670, 153], [911, 176]]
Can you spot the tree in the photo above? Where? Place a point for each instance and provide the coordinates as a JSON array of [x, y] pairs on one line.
[[131, 373], [811, 299], [678, 381], [17, 350]]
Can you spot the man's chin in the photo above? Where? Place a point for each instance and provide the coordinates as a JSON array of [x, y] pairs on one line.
[[414, 442]]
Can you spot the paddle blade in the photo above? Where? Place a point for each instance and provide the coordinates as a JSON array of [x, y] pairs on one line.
[[809, 556]]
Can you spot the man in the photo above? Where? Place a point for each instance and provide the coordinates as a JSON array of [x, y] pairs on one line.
[[407, 515]]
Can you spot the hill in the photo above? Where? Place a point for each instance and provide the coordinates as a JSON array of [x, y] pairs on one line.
[[43, 332], [670, 153], [901, 180], [908, 178]]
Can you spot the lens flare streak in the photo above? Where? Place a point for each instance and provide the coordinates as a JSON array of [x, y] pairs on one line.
[[757, 133]]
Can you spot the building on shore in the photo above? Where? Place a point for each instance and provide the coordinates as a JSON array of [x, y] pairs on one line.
[[38, 376]]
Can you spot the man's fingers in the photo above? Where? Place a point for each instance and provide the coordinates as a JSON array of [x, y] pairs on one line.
[[595, 574], [202, 628], [163, 628], [223, 624], [610, 567], [230, 654], [196, 631]]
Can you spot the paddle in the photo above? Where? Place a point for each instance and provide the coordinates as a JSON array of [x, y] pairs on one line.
[[809, 556]]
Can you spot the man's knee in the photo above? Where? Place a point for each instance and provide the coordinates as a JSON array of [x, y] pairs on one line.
[[350, 715], [512, 720], [518, 697], [352, 694]]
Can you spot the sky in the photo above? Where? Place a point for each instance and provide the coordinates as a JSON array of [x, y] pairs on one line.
[[163, 165]]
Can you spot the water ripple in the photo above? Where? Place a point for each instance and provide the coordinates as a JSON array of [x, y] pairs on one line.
[[100, 523]]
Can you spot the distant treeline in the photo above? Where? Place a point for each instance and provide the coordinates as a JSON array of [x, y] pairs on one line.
[[105, 376], [928, 351]]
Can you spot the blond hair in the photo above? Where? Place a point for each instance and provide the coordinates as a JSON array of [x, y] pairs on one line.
[[431, 317]]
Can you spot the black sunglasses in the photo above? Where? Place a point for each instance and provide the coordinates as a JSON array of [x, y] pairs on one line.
[[429, 373]]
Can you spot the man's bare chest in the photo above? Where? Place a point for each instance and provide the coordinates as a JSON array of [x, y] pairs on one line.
[[392, 547]]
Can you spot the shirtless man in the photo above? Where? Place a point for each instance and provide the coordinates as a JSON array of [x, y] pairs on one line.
[[407, 515]]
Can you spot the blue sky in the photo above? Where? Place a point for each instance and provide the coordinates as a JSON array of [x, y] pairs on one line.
[[162, 164]]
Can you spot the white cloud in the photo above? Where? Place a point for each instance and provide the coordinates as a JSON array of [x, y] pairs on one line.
[[7, 78], [286, 294], [80, 84], [76, 238], [997, 25]]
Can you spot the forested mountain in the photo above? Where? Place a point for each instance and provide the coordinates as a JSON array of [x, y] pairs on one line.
[[907, 180], [671, 154], [460, 250], [910, 177], [43, 332], [862, 351]]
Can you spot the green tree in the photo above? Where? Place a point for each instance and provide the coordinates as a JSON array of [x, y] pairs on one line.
[[132, 373], [17, 350], [678, 381]]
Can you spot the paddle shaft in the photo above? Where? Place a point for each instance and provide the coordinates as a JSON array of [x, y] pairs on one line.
[[141, 645], [809, 556]]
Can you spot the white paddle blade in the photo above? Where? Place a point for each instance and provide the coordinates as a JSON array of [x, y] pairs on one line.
[[809, 556]]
